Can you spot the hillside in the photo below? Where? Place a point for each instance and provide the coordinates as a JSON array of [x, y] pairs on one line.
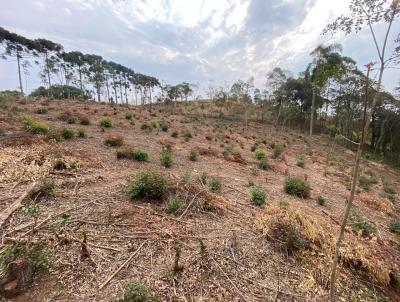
[[198, 242]]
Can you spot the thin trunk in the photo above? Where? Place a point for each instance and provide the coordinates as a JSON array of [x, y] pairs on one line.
[[19, 72], [312, 111], [80, 81], [108, 90]]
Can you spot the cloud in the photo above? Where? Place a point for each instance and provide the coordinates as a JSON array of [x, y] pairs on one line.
[[187, 40]]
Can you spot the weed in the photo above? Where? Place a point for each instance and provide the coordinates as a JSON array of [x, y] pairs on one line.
[[394, 226], [187, 134], [366, 182], [278, 150], [33, 126], [263, 164], [193, 155], [129, 116], [174, 205], [175, 134], [164, 126], [149, 185], [258, 195], [389, 189], [166, 158], [203, 178], [106, 123], [321, 200], [136, 292], [214, 185], [185, 177], [67, 133], [114, 141], [284, 203], [55, 134], [178, 268], [301, 161], [260, 154], [44, 190], [139, 155], [202, 248], [297, 186], [81, 133], [84, 121], [360, 224]]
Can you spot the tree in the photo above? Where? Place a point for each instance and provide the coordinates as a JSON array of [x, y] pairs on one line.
[[275, 79], [16, 46], [96, 72], [363, 13]]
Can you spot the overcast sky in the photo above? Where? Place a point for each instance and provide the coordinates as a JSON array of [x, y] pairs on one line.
[[188, 40]]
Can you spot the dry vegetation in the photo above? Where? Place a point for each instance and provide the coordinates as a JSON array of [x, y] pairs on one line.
[[172, 204]]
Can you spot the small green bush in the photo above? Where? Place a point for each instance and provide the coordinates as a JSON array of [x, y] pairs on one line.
[[278, 150], [193, 155], [174, 205], [114, 141], [297, 186], [214, 185], [67, 133], [125, 153], [258, 195], [284, 203], [129, 116], [260, 154], [389, 189], [301, 161], [43, 190], [106, 123], [359, 224], [139, 155], [81, 133], [136, 292], [394, 226], [84, 121], [150, 185], [33, 126], [166, 158]]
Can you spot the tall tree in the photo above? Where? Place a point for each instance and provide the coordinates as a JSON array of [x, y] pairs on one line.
[[363, 13]]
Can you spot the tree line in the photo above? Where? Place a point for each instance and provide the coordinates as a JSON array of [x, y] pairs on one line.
[[75, 74]]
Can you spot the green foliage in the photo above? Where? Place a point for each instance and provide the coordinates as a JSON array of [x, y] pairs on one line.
[[164, 126], [185, 177], [57, 91], [81, 133], [84, 121], [33, 210], [149, 185], [366, 182], [203, 178], [260, 154], [174, 204], [33, 126], [394, 226], [129, 116], [321, 200], [202, 248], [136, 292], [106, 123], [289, 237], [67, 133], [301, 161], [55, 134], [193, 155], [389, 189], [278, 150], [150, 125], [214, 185], [36, 256], [139, 155], [263, 164], [359, 224], [284, 203], [166, 158], [297, 186], [258, 195], [114, 141]]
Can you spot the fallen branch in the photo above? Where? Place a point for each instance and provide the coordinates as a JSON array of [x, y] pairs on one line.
[[122, 266], [15, 205]]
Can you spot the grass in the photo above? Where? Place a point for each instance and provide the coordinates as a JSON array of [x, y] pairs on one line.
[[175, 134], [297, 186], [263, 164], [84, 121], [166, 158], [258, 195], [137, 292], [129, 116], [149, 185], [359, 224], [164, 126], [67, 133], [139, 155], [43, 190], [366, 182], [214, 185], [278, 150], [186, 134], [174, 204], [81, 133], [114, 141], [394, 226], [301, 161], [193, 155], [260, 154], [106, 123]]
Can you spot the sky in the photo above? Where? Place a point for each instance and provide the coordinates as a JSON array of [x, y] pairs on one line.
[[189, 40]]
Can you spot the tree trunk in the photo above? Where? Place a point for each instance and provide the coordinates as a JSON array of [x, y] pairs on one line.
[[19, 73], [312, 111]]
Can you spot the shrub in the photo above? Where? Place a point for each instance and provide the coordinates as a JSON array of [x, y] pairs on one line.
[[55, 134], [193, 155], [136, 292], [67, 133], [129, 116], [139, 155], [150, 125], [164, 126], [166, 158], [149, 185], [186, 134], [301, 161], [260, 154], [174, 205], [81, 133], [175, 134], [203, 178], [289, 237], [284, 203], [258, 195], [106, 123], [278, 149], [84, 121], [43, 190], [263, 164], [214, 185], [114, 141], [394, 226], [297, 186], [389, 189], [359, 224], [33, 126], [366, 182], [321, 200]]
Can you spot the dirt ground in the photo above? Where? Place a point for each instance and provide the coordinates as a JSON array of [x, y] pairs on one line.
[[241, 262]]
